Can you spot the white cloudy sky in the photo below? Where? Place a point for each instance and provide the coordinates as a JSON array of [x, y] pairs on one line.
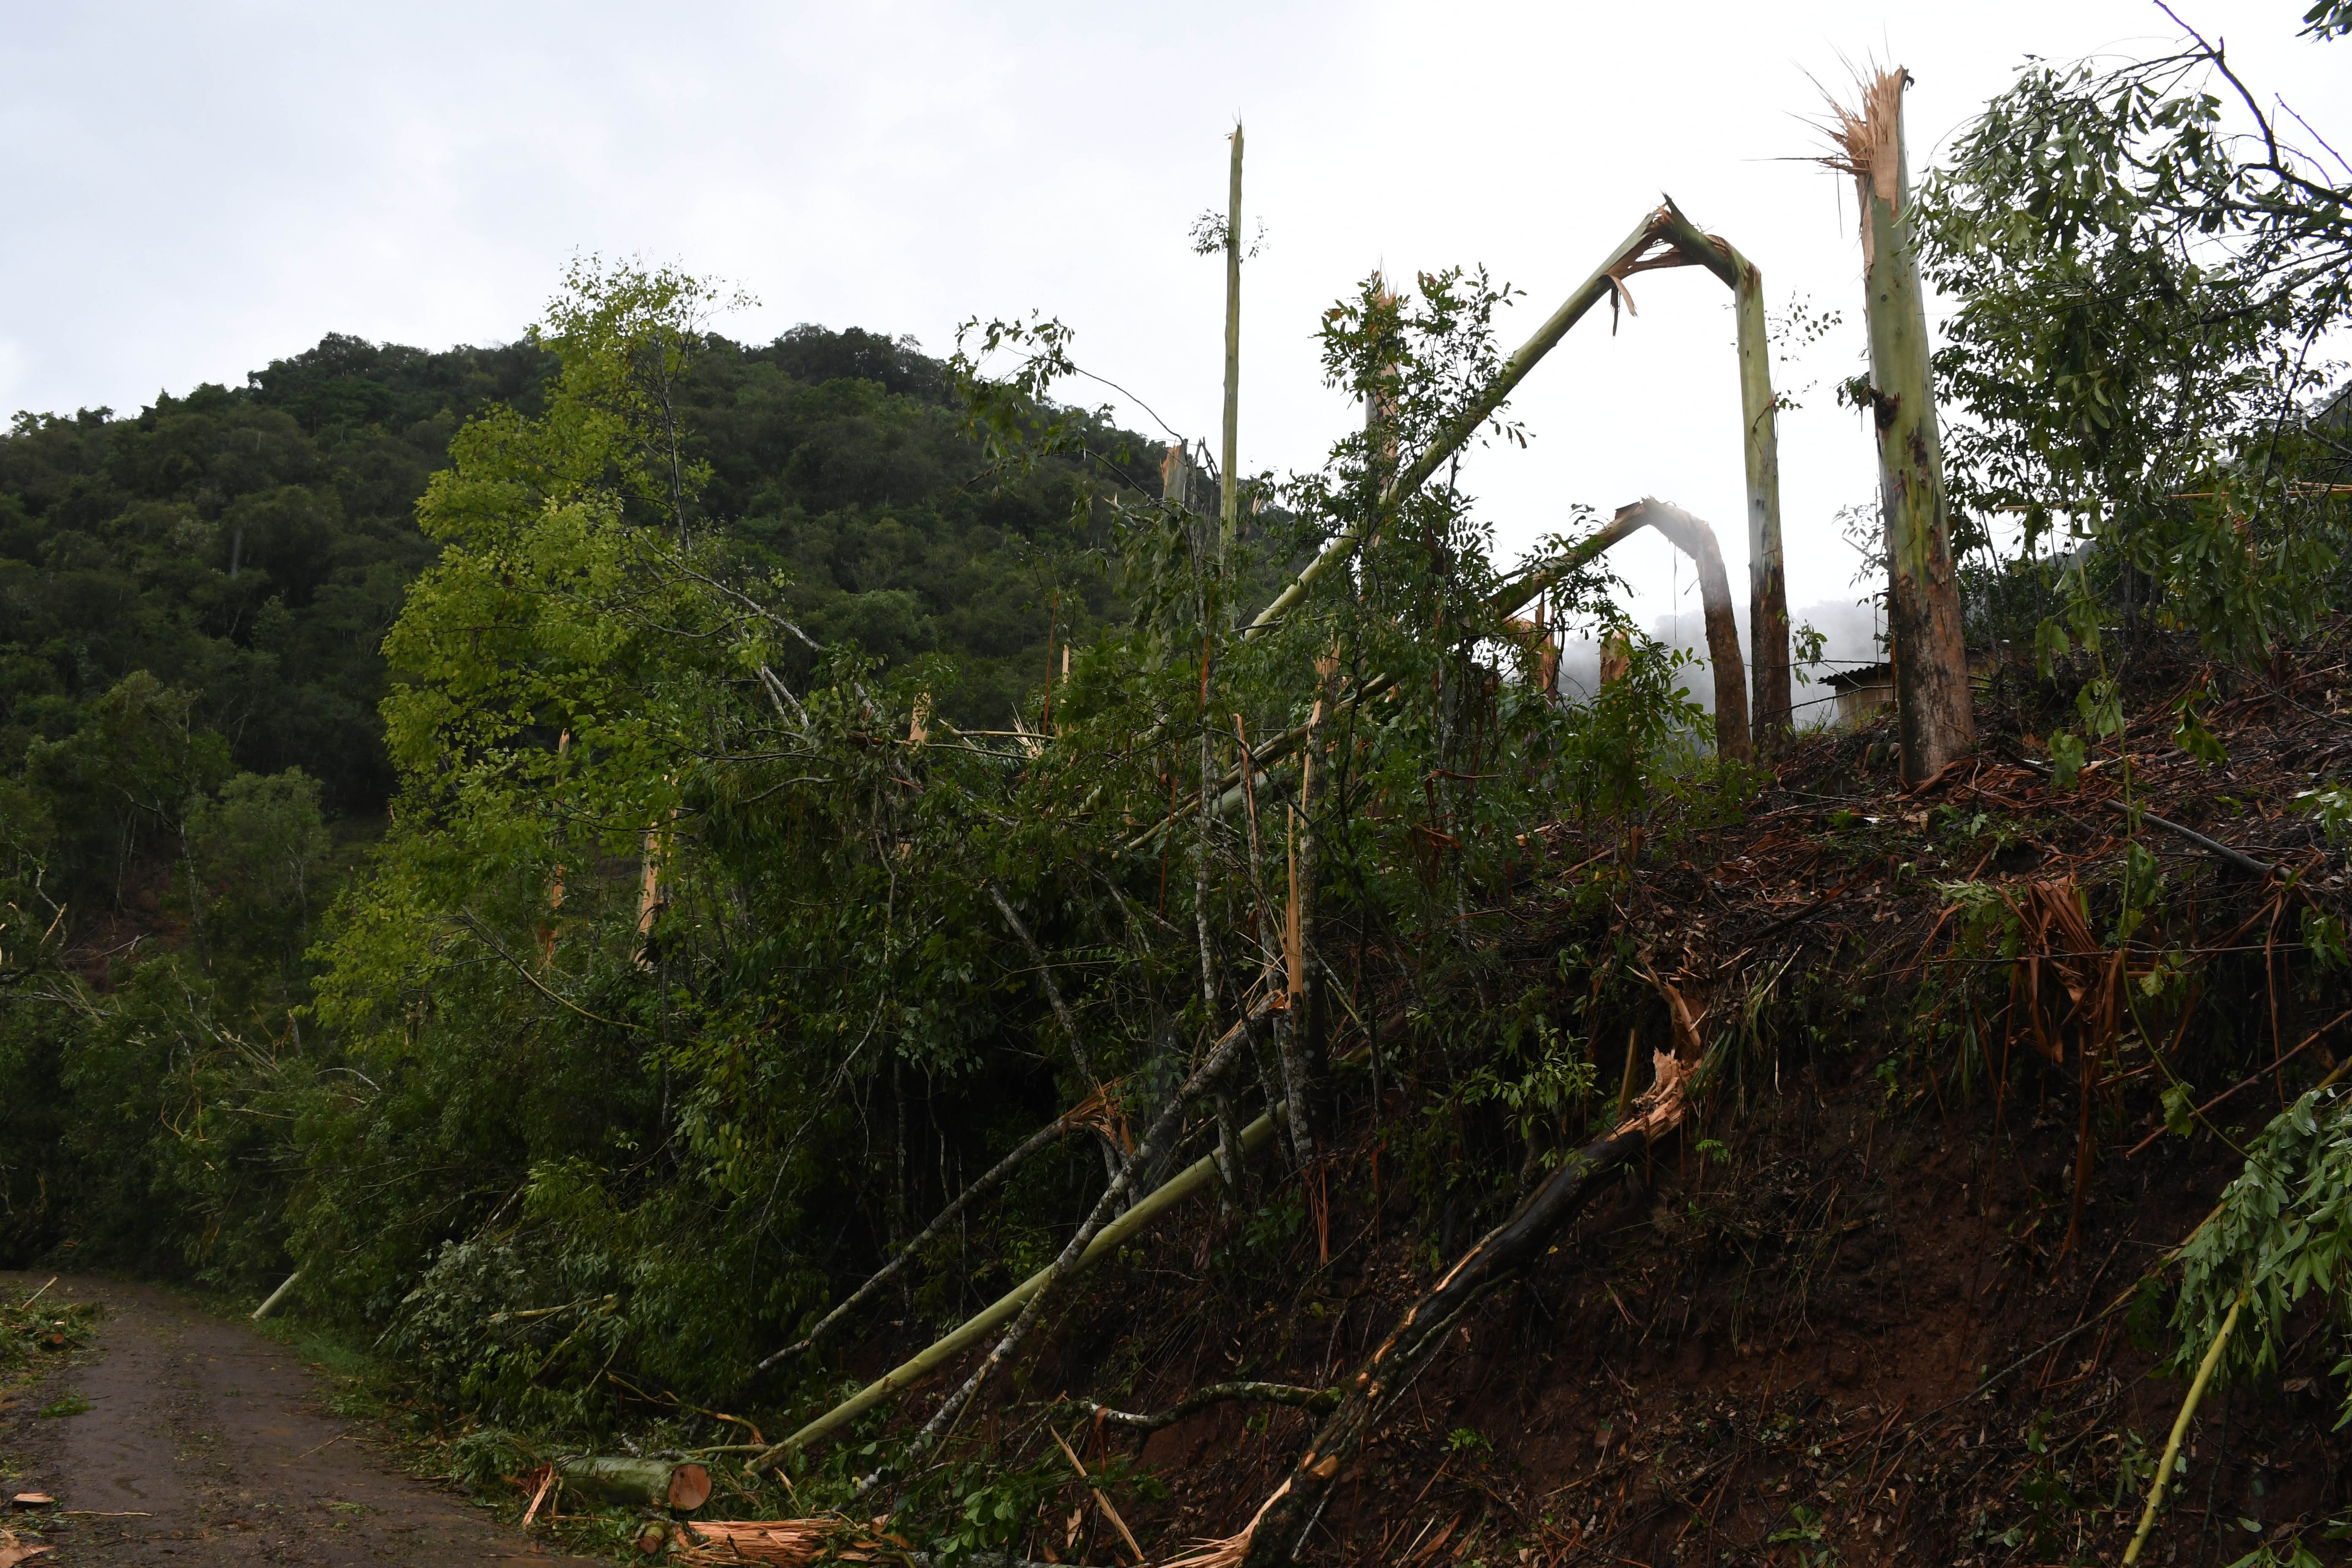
[[196, 188]]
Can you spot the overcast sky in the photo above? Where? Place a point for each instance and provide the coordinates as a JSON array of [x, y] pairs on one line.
[[195, 189]]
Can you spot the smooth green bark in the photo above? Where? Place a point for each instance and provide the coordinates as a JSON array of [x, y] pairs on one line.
[[1935, 713]]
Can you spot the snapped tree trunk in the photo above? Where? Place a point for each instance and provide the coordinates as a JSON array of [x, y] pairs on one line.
[[1467, 421], [1695, 538], [1093, 1240], [639, 1483], [1935, 713], [1691, 534], [1767, 592]]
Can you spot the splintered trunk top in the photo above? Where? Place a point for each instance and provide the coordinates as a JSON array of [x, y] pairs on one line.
[[1933, 704]]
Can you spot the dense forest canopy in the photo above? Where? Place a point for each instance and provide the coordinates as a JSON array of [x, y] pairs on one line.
[[197, 600], [618, 854]]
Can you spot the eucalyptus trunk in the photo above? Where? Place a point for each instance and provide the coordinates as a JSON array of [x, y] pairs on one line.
[[1695, 538], [1302, 1048], [1935, 715], [1768, 590], [1767, 587], [1229, 515]]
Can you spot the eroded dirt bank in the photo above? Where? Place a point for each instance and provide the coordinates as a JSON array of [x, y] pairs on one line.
[[205, 1443]]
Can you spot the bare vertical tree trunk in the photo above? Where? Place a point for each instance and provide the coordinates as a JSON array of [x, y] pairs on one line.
[[1229, 515], [1210, 797], [1767, 589], [1934, 714], [1299, 1050]]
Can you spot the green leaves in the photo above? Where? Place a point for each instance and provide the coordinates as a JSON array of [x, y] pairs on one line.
[[2138, 288], [2066, 757], [2283, 1231], [2180, 1103], [2192, 735]]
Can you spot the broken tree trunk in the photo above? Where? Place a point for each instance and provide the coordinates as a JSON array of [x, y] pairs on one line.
[[1601, 285], [1768, 590], [1301, 1051], [1767, 587], [639, 1483], [1051, 1133], [1112, 1154], [1696, 540], [1279, 1530], [270, 1304], [1723, 642], [1935, 713], [1319, 1400]]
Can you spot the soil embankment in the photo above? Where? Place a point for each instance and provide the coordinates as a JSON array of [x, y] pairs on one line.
[[205, 1443]]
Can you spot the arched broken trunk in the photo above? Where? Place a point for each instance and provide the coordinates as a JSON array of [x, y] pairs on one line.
[[1695, 538], [1664, 238]]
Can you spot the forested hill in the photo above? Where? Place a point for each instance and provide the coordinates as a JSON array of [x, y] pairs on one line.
[[201, 589], [248, 545]]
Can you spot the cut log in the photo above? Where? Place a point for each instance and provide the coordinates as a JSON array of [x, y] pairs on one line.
[[639, 1483]]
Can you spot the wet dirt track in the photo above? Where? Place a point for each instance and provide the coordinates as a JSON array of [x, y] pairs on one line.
[[206, 1443]]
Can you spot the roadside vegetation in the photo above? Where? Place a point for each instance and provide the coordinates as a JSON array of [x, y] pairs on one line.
[[665, 876]]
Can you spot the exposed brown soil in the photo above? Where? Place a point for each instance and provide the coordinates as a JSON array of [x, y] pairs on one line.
[[206, 1443]]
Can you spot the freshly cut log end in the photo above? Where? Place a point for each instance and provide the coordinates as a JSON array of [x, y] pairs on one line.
[[689, 1487], [639, 1483]]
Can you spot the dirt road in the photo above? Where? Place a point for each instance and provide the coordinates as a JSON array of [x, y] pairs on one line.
[[205, 1443]]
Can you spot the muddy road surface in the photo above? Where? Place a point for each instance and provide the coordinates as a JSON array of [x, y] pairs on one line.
[[205, 1443]]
